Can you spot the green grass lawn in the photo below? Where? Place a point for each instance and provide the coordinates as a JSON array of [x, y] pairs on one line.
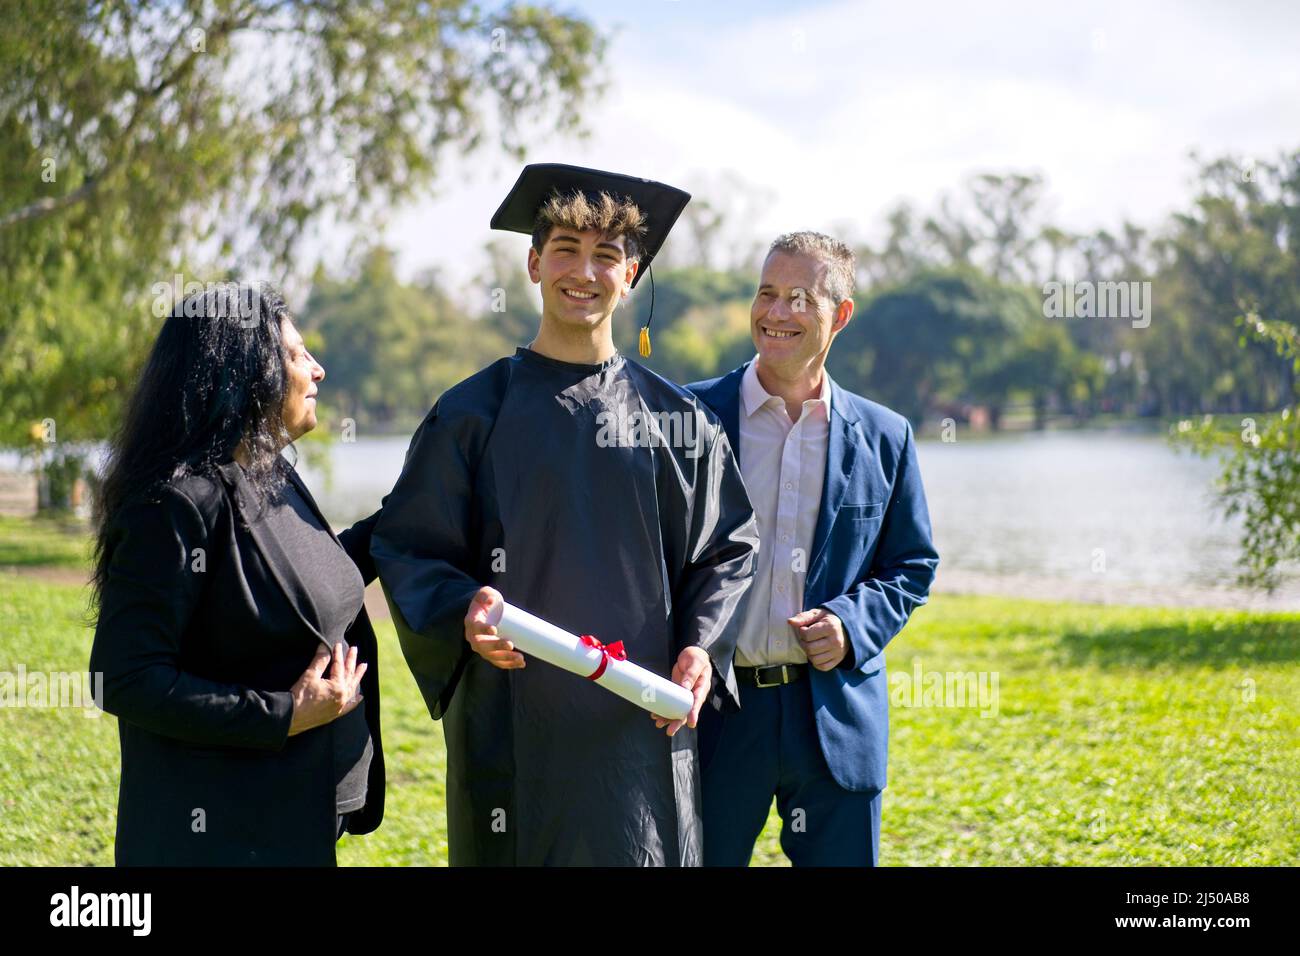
[[56, 542], [1121, 736]]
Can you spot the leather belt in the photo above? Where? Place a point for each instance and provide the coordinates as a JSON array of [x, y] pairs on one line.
[[774, 675]]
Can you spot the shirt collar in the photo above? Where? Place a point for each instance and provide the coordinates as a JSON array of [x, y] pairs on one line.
[[755, 396]]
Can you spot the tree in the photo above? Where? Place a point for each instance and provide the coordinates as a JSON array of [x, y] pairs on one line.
[[954, 337], [701, 321], [715, 230], [504, 300], [1241, 249], [390, 348], [136, 138], [902, 347]]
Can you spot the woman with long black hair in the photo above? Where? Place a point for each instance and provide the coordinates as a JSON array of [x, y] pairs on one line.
[[232, 638]]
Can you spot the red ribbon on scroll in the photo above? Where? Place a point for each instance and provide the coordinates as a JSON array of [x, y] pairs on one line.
[[607, 651]]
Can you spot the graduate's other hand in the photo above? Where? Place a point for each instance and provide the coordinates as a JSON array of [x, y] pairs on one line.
[[317, 699], [694, 671], [821, 635], [482, 636]]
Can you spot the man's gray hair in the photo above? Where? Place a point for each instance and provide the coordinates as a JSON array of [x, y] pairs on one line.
[[838, 257]]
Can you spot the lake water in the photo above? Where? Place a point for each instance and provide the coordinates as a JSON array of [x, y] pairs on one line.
[[1112, 516]]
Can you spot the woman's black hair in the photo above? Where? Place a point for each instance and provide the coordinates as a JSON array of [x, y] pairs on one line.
[[215, 378]]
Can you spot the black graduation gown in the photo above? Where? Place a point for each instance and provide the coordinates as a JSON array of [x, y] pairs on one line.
[[547, 480]]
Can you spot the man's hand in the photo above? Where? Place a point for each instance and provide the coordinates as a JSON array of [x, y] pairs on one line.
[[482, 636], [694, 671], [821, 634]]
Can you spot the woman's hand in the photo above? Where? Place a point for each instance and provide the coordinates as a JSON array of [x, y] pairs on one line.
[[317, 700]]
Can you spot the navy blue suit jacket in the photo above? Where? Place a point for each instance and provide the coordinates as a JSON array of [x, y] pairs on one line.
[[871, 563]]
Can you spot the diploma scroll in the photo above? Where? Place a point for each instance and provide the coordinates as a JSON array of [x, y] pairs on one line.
[[585, 656]]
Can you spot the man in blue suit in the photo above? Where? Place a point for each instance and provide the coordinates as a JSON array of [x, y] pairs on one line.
[[845, 556]]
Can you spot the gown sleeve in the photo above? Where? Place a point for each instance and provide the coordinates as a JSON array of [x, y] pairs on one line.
[[422, 551], [356, 542], [723, 541]]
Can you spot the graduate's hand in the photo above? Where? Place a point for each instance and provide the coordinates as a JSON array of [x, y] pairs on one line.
[[482, 636], [821, 635], [317, 699], [694, 671]]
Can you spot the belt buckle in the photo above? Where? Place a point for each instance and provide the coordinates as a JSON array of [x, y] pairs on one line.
[[758, 680]]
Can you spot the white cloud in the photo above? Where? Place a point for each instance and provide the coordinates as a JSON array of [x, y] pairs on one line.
[[842, 110]]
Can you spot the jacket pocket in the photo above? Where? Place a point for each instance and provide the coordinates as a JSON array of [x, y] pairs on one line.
[[863, 512]]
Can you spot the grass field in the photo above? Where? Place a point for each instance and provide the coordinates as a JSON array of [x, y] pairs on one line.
[[44, 542], [1121, 736]]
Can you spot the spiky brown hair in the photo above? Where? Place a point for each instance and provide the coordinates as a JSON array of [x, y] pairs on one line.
[[613, 216]]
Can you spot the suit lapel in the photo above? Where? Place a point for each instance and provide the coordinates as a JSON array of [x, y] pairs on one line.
[[724, 399], [842, 451], [280, 565]]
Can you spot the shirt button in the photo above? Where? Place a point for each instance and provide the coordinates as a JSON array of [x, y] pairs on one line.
[[781, 588], [788, 485], [785, 537]]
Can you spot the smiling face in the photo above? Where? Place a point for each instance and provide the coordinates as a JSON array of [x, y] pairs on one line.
[[793, 320], [583, 276], [302, 372]]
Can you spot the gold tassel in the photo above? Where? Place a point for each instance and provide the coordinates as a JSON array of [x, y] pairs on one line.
[[644, 345]]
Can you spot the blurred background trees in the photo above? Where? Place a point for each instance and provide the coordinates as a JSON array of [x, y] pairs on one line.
[[136, 137], [1238, 256], [215, 138]]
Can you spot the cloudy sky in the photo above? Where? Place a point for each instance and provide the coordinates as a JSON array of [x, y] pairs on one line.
[[838, 110]]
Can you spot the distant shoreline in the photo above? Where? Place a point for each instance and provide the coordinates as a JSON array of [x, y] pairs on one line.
[[957, 582], [1109, 591]]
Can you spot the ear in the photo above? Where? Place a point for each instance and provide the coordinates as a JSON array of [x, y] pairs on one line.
[[843, 313], [534, 266], [633, 265]]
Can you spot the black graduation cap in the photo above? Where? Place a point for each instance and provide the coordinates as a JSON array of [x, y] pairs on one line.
[[660, 203]]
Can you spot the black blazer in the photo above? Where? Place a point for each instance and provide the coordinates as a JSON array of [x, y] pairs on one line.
[[199, 641]]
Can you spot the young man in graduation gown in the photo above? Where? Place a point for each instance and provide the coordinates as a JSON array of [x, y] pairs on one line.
[[582, 487]]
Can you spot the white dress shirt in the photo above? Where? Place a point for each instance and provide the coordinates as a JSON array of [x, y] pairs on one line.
[[784, 467]]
